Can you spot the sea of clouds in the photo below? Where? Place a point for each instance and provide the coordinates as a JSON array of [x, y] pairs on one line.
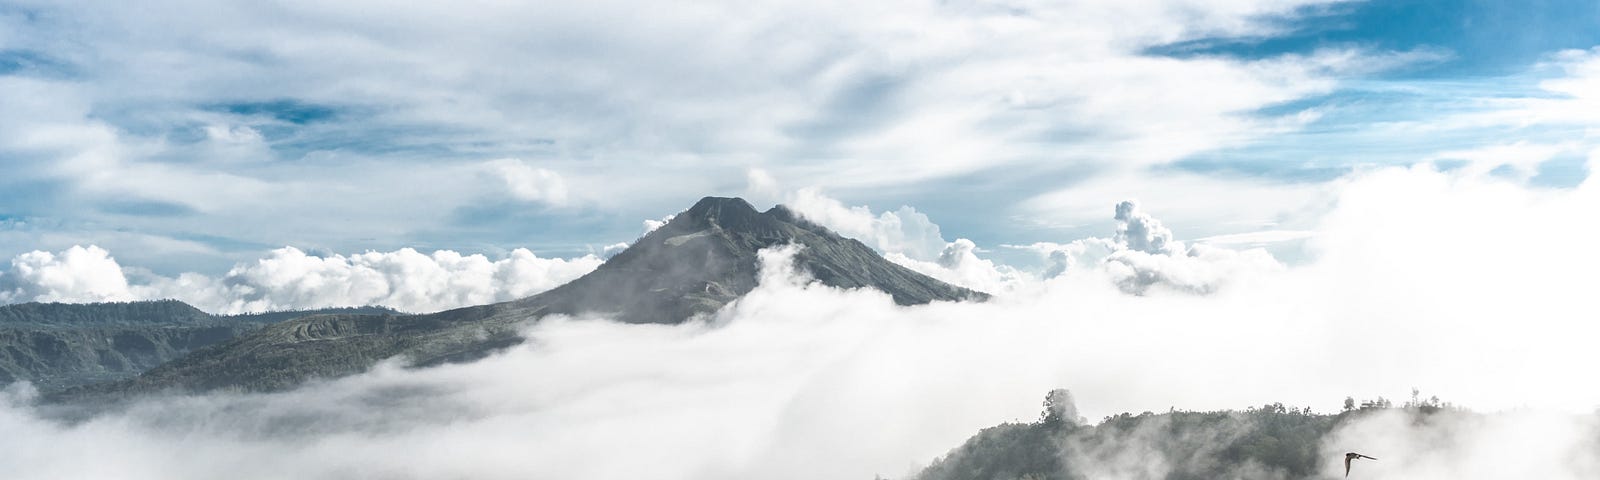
[[1475, 288]]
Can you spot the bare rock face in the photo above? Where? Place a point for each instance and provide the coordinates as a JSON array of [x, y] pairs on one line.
[[706, 257], [700, 261]]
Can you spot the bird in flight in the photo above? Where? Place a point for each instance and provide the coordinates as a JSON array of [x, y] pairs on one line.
[[1352, 456]]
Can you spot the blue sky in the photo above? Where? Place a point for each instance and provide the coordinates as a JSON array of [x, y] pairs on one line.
[[1481, 38], [190, 136]]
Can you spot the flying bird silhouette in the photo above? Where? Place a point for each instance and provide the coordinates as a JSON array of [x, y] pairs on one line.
[[1352, 456]]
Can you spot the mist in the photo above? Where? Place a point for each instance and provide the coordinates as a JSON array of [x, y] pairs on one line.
[[1472, 288], [1514, 444]]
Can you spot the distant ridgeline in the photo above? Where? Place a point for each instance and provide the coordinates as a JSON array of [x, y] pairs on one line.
[[703, 259], [59, 345]]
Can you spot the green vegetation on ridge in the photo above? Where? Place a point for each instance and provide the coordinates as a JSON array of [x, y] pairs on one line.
[[59, 345], [1270, 441]]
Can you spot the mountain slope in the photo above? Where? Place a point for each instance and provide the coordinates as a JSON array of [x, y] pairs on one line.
[[56, 345], [701, 260], [706, 257]]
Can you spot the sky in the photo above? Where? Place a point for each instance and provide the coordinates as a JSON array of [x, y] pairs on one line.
[[193, 136], [1192, 204]]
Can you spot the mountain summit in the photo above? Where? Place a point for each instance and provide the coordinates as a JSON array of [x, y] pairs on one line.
[[704, 258]]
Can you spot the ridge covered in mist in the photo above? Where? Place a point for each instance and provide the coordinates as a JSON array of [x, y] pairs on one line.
[[1272, 441]]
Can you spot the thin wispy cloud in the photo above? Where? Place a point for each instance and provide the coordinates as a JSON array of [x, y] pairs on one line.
[[305, 118]]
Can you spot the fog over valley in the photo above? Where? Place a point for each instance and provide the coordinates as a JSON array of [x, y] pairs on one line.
[[799, 380]]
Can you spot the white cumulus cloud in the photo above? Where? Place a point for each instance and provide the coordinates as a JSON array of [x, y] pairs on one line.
[[1143, 254], [528, 183], [909, 238], [650, 225], [289, 279], [959, 264], [905, 231], [1140, 232], [77, 274]]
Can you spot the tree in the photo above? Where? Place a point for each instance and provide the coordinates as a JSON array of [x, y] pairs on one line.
[[1349, 403], [1060, 409]]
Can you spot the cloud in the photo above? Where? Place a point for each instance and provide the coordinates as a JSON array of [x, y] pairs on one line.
[[1569, 97], [1142, 451], [905, 231], [959, 264], [1200, 269], [404, 279], [1257, 238], [1520, 443], [1505, 125], [1201, 205], [233, 134], [1143, 254], [1521, 159], [314, 117], [528, 183], [289, 279], [1420, 278], [650, 225], [1061, 257], [1409, 442], [78, 274], [909, 238], [1140, 232], [613, 249], [759, 185]]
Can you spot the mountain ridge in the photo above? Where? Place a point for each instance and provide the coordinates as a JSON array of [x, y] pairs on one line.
[[701, 260], [61, 345]]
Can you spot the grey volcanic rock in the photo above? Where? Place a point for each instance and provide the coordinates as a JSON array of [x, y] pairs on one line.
[[703, 259], [56, 345]]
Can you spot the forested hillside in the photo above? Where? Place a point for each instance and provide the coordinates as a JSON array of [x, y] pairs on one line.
[[59, 345], [1268, 442]]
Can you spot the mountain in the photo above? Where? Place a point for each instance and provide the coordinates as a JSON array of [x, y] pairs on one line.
[[56, 345], [704, 258]]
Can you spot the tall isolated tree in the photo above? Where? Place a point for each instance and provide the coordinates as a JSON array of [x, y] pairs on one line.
[[1060, 409]]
